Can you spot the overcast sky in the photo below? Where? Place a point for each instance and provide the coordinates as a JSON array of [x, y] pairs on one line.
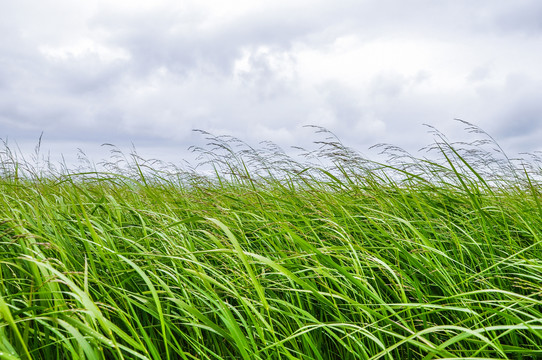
[[148, 72]]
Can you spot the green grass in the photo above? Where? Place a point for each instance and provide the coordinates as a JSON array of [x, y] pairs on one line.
[[272, 258]]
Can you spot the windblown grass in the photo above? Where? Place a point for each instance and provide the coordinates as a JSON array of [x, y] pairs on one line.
[[271, 258]]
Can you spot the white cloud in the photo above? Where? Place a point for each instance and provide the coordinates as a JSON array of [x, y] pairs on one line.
[[371, 71], [84, 48]]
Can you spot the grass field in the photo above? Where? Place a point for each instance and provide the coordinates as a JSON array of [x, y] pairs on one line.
[[333, 257]]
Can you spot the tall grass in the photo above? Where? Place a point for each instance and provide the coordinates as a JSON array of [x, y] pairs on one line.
[[266, 257]]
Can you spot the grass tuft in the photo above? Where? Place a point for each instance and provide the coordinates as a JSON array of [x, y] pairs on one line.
[[255, 255]]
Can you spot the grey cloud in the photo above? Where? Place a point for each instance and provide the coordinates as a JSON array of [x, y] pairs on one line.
[[444, 20], [180, 76], [270, 74], [388, 85], [84, 75], [359, 120], [343, 103], [524, 17], [510, 111], [521, 118], [479, 73], [177, 41], [55, 100]]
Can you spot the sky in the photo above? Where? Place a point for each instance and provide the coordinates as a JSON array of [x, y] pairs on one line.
[[147, 73]]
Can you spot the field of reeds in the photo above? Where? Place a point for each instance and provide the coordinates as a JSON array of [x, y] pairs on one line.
[[262, 256]]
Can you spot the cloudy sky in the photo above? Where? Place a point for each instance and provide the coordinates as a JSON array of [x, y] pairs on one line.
[[148, 72]]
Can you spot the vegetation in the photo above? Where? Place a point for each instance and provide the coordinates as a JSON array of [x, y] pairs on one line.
[[267, 257]]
